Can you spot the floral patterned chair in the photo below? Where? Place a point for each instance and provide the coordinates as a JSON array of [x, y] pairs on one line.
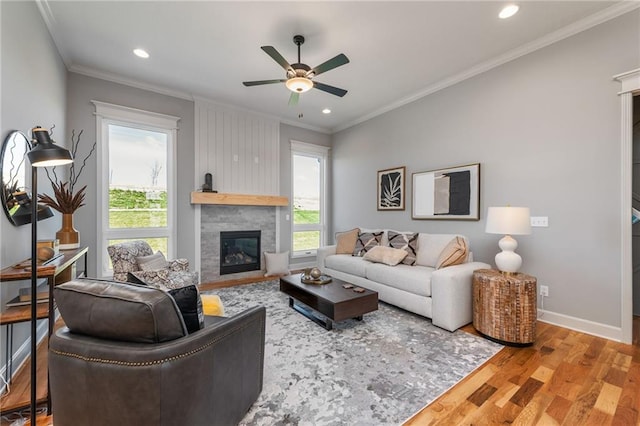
[[126, 260]]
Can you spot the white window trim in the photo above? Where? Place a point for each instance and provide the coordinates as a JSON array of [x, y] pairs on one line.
[[116, 114], [303, 148]]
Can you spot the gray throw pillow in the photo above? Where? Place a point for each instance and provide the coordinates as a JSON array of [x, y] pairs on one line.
[[152, 262], [366, 241], [406, 242]]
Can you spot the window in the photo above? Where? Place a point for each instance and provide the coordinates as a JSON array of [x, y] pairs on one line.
[[136, 179], [308, 166]]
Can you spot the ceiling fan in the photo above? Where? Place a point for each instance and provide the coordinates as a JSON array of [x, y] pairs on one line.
[[299, 75]]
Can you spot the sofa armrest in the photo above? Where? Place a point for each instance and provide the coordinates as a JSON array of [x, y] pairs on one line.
[[452, 294], [178, 264], [323, 253]]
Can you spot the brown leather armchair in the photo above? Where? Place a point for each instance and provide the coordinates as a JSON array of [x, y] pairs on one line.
[[125, 358]]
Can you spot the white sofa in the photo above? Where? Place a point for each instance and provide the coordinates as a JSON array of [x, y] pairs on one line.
[[444, 295]]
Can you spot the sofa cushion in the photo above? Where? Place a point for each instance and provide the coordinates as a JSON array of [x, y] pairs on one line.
[[430, 246], [366, 241], [346, 241], [348, 264], [454, 253], [387, 255], [117, 311], [413, 279], [405, 241]]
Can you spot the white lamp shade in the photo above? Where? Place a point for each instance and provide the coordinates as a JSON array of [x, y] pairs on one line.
[[508, 221]]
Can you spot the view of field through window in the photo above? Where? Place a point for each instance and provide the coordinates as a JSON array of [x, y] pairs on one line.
[[306, 203], [138, 181]]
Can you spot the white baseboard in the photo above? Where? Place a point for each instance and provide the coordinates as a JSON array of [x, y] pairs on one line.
[[582, 325]]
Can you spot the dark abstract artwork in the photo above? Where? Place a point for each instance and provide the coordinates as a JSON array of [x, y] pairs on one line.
[[391, 189]]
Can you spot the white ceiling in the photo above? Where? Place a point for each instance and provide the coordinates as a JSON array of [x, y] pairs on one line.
[[399, 51]]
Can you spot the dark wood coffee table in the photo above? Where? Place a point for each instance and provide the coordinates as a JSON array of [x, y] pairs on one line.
[[331, 300]]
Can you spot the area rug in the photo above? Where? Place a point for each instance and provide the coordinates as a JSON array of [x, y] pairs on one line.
[[379, 371]]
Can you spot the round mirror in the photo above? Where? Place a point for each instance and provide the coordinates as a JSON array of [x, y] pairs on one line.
[[13, 161]]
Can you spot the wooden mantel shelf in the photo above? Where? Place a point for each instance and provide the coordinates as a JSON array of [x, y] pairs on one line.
[[198, 197]]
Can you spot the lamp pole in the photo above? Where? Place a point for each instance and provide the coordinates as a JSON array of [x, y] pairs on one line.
[[34, 285]]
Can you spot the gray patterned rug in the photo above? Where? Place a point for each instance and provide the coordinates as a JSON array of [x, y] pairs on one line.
[[379, 371]]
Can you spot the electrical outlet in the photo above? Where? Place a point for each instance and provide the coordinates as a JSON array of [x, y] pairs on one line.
[[544, 291], [540, 221]]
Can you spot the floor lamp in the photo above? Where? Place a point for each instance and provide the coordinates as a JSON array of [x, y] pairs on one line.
[[44, 153]]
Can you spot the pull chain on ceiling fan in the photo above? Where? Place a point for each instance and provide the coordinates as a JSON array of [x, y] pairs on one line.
[[300, 75]]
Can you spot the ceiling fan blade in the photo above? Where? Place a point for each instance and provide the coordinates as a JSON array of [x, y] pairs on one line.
[[293, 99], [271, 51], [332, 63], [259, 82], [329, 89]]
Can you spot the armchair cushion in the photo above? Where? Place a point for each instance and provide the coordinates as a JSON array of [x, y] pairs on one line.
[[116, 311], [182, 286], [123, 257], [163, 278]]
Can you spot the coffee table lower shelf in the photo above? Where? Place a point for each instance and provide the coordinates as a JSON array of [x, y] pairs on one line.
[[309, 313], [332, 300]]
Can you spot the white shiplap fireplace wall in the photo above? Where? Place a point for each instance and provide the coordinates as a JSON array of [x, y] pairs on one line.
[[240, 149]]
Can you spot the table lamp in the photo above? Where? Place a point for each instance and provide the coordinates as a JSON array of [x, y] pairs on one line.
[[508, 221], [44, 153]]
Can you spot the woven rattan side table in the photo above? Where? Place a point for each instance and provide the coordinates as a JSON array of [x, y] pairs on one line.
[[504, 306]]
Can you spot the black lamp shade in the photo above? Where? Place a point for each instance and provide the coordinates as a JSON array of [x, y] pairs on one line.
[[21, 215], [45, 153]]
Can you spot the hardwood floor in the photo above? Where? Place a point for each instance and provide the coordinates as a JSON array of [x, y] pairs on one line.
[[565, 378]]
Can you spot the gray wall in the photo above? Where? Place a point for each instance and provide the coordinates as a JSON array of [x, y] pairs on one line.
[[546, 130], [287, 134], [33, 93], [82, 90]]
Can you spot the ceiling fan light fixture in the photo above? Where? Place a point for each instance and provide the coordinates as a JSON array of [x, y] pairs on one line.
[[299, 84]]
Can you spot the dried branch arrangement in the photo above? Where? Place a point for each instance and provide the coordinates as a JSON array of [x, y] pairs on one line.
[[64, 199]]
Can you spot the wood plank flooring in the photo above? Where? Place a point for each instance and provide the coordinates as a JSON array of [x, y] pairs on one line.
[[565, 378]]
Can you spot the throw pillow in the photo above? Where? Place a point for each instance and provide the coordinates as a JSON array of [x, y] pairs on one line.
[[190, 306], [387, 255], [346, 241], [277, 263], [454, 253], [366, 241], [212, 305], [406, 242], [152, 262]]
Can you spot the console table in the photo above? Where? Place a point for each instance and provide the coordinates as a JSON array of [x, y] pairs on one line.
[[504, 306], [60, 270]]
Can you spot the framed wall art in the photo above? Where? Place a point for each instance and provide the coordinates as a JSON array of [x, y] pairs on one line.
[[391, 189], [452, 193]]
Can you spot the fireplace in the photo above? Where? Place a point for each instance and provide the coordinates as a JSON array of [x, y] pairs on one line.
[[239, 251]]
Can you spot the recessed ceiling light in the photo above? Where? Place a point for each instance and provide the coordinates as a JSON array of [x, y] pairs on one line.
[[508, 11], [141, 53], [326, 111]]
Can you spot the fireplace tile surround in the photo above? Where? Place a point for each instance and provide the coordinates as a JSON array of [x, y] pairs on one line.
[[217, 218]]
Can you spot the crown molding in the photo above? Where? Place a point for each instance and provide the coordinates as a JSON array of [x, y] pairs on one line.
[[51, 24], [582, 25], [115, 78]]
